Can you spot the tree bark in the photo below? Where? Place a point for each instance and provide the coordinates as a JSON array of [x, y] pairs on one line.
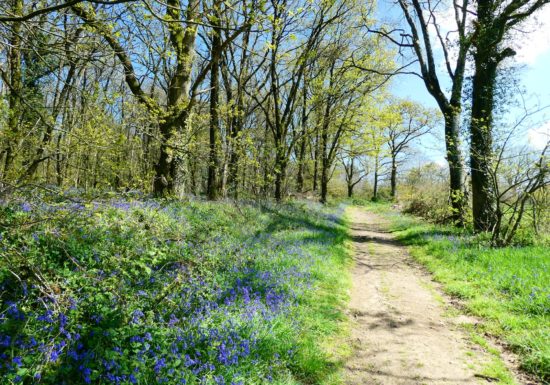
[[280, 173], [375, 186], [393, 177], [302, 146], [316, 163], [350, 183], [454, 160], [481, 144], [213, 185], [163, 184], [481, 124], [325, 157], [15, 88], [301, 159]]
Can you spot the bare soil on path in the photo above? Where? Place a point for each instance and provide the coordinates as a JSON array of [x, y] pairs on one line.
[[402, 332]]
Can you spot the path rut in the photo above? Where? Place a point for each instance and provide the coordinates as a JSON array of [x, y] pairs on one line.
[[401, 333]]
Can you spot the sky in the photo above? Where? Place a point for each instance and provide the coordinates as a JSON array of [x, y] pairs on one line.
[[533, 61]]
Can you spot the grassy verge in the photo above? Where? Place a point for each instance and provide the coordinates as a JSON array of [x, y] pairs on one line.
[[508, 287], [144, 292]]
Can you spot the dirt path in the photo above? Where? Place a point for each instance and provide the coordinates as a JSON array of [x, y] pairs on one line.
[[401, 332]]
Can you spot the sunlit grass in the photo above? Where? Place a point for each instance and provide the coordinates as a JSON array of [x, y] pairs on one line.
[[508, 287]]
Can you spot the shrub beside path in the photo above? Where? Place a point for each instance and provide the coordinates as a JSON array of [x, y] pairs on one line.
[[402, 332]]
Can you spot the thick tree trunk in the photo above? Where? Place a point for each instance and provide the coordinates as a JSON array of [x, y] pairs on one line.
[[454, 160], [302, 147], [179, 174], [15, 88], [213, 185], [163, 184], [278, 187], [486, 60], [481, 143]]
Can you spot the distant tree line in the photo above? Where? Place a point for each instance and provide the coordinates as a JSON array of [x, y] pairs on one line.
[[251, 97]]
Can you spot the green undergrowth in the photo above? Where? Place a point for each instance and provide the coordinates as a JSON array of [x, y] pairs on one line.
[[507, 287], [123, 291]]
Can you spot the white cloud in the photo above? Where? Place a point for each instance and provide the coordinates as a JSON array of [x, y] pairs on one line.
[[534, 38], [539, 137]]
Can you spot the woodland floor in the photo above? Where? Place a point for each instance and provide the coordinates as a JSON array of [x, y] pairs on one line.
[[404, 331]]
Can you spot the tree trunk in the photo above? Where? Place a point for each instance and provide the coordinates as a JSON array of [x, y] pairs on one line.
[[265, 164], [324, 184], [232, 179], [179, 174], [349, 178], [59, 158], [324, 158], [15, 88], [234, 148], [316, 163], [163, 184], [481, 123], [481, 146], [393, 177], [280, 172], [302, 147], [454, 160], [278, 187], [193, 177], [375, 187], [301, 159], [213, 185]]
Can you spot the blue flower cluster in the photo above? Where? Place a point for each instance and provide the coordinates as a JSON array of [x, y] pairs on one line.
[[141, 292]]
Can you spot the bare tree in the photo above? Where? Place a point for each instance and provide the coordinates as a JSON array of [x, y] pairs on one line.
[[422, 21], [409, 122]]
